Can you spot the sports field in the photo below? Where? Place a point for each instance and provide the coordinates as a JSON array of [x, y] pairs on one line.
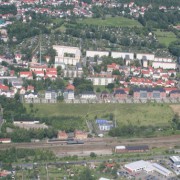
[[165, 37], [139, 114], [111, 21]]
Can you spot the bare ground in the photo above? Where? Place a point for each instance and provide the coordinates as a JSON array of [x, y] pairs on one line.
[[176, 108]]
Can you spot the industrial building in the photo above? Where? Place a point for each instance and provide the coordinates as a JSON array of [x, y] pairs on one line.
[[147, 167], [175, 160]]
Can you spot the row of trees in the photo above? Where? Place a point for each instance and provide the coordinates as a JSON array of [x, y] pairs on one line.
[[6, 9]]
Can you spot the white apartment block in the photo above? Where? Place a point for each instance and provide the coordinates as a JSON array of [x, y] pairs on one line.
[[149, 57], [67, 55], [102, 81], [164, 65], [123, 55], [96, 53]]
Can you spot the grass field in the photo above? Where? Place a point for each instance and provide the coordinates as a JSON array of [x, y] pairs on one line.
[[111, 21], [139, 114], [165, 37]]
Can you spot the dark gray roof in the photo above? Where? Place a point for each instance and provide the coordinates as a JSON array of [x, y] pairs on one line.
[[136, 148]]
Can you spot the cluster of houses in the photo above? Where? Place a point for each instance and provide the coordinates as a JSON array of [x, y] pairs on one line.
[[39, 72], [146, 77], [79, 9]]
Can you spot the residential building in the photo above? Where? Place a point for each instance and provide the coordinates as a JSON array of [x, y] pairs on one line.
[[104, 125], [149, 57], [50, 95], [25, 74], [145, 93], [30, 95], [123, 55], [68, 94], [88, 95], [62, 135], [164, 65], [101, 80], [5, 140], [80, 135], [175, 94], [67, 55], [120, 94], [96, 53]]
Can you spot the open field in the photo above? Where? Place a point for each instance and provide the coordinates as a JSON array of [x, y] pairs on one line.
[[139, 114], [111, 21], [165, 37]]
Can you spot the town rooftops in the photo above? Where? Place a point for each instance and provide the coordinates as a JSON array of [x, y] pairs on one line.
[[101, 121], [89, 92], [119, 91], [175, 92]]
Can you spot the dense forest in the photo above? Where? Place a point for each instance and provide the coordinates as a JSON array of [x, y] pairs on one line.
[[154, 3]]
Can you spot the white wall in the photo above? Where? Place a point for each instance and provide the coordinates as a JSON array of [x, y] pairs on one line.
[[162, 59], [67, 49], [148, 56], [96, 53], [101, 81], [164, 65], [122, 55]]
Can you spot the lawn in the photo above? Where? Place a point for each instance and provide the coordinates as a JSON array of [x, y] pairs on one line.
[[139, 114], [165, 37], [111, 21]]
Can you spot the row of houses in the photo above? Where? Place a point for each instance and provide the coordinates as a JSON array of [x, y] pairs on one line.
[[79, 135], [162, 62], [39, 72]]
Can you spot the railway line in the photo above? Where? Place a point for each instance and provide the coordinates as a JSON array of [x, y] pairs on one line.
[[104, 143]]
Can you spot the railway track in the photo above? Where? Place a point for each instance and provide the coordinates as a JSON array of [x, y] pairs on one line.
[[106, 143]]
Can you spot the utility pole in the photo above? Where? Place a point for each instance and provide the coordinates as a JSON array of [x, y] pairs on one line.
[[40, 48], [47, 174]]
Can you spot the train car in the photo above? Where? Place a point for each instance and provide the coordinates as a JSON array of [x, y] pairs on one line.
[[56, 140], [75, 142]]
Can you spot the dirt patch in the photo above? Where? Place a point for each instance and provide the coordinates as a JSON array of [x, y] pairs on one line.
[[176, 108]]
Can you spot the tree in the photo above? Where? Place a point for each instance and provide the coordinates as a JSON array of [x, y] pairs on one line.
[[59, 70], [85, 175], [93, 155], [116, 72]]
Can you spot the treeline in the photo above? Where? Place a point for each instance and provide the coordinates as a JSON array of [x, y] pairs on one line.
[[66, 123], [26, 30], [82, 84], [45, 84], [8, 9], [156, 18], [23, 135], [13, 155], [11, 107]]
